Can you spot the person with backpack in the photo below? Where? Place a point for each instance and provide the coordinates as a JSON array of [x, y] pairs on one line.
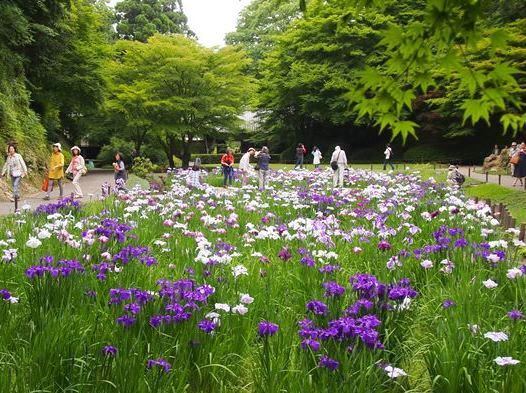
[[15, 168], [338, 165], [227, 162], [388, 154], [514, 156], [77, 168], [300, 155], [454, 177]]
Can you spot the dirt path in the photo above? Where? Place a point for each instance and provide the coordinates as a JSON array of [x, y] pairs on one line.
[[505, 180], [90, 184]]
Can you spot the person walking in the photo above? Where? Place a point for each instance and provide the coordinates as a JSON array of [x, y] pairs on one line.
[[15, 168], [513, 155], [244, 166], [120, 172], [316, 153], [56, 171], [300, 156], [77, 167], [388, 154], [519, 172], [263, 157], [227, 162], [496, 150], [338, 165]]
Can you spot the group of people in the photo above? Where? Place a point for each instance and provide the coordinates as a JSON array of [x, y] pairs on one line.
[[338, 164], [15, 169], [262, 166]]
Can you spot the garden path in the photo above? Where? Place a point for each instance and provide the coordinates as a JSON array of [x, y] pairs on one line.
[[505, 180], [90, 184]]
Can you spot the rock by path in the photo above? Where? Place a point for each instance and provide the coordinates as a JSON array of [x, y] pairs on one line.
[[90, 184]]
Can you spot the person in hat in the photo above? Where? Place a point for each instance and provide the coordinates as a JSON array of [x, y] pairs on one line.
[[15, 168], [77, 167], [56, 170]]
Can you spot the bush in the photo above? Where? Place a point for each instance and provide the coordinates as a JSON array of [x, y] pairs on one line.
[[143, 167], [107, 153], [442, 153], [216, 158]]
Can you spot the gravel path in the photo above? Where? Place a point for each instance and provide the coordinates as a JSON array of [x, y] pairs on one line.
[[90, 184]]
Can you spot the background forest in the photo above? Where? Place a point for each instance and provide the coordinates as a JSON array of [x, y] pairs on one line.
[[135, 79]]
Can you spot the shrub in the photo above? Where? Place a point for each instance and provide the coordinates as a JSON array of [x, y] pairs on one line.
[[107, 153], [143, 167]]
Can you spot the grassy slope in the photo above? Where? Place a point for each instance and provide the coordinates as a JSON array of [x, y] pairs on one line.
[[514, 199]]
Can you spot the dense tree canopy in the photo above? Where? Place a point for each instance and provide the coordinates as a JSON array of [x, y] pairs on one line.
[[173, 90], [434, 69], [140, 19]]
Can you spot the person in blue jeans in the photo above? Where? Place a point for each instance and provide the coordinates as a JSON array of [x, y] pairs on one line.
[[300, 156], [227, 162], [388, 153], [263, 158]]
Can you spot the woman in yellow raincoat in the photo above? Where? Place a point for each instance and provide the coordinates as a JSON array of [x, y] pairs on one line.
[[56, 170]]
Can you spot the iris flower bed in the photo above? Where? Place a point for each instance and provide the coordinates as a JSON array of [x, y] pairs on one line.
[[392, 284]]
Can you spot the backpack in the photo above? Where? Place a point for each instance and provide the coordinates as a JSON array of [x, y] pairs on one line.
[[460, 178]]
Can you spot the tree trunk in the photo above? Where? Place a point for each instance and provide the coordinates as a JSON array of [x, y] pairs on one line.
[[172, 150], [187, 155]]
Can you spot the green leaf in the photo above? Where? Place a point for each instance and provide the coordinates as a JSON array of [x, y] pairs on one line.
[[499, 39], [404, 128], [476, 109]]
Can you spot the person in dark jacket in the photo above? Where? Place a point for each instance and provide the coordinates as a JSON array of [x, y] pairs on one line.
[[120, 172], [519, 171], [300, 156], [263, 158]]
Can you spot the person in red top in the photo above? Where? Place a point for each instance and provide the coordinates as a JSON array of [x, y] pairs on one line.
[[227, 162]]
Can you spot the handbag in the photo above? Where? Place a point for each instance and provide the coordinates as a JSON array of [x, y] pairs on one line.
[[69, 176], [334, 164], [515, 159], [45, 184]]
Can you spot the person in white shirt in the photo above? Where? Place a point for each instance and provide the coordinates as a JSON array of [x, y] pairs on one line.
[[15, 168], [388, 153], [317, 157], [193, 177], [338, 164], [244, 165]]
